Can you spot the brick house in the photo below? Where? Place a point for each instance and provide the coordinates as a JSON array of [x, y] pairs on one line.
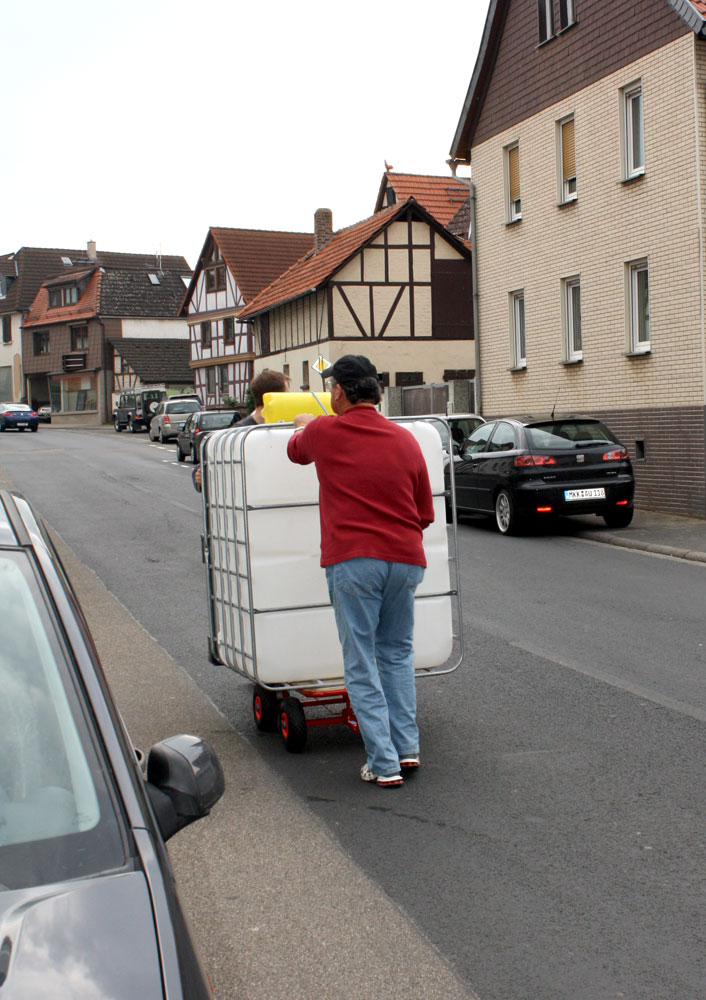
[[77, 315], [585, 126]]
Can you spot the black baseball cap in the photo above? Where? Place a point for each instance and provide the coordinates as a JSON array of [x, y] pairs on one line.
[[350, 369]]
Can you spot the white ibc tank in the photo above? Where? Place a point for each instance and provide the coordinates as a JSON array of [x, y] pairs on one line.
[[271, 616]]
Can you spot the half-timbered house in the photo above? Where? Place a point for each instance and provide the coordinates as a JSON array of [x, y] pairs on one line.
[[585, 126], [234, 265], [396, 287]]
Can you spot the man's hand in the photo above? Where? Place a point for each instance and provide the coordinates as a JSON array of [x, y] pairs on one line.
[[197, 477], [302, 419]]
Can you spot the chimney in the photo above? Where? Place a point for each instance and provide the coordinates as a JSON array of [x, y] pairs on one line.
[[91, 249], [323, 228]]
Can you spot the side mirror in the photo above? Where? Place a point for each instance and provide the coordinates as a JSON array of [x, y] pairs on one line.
[[184, 781]]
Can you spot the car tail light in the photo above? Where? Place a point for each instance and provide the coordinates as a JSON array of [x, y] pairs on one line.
[[197, 430], [544, 510], [33, 413], [616, 455], [621, 503], [522, 461], [166, 420]]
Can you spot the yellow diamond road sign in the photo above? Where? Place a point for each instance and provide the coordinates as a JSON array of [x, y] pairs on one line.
[[321, 364]]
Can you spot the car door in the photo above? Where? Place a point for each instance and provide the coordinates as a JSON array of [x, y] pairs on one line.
[[493, 468], [466, 467]]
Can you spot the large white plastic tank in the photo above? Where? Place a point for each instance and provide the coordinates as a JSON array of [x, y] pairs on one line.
[[271, 616]]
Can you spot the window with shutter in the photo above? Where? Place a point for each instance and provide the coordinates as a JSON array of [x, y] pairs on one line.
[[567, 156], [512, 169]]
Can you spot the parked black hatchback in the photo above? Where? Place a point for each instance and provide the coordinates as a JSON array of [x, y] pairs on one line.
[[88, 905], [199, 424], [517, 469]]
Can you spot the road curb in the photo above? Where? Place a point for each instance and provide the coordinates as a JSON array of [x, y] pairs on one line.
[[653, 547]]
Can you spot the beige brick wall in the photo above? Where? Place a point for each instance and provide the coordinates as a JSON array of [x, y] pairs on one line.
[[656, 217]]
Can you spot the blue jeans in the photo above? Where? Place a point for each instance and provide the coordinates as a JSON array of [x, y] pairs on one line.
[[373, 601]]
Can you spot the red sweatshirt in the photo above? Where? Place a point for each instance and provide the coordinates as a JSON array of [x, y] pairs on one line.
[[374, 494]]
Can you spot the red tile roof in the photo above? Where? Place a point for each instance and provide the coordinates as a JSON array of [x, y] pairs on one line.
[[312, 270], [699, 5], [441, 196], [87, 306], [255, 257]]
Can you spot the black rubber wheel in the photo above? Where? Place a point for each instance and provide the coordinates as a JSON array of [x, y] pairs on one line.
[[265, 709], [21, 429], [194, 456], [292, 725], [2, 427], [132, 426], [619, 518], [117, 425], [35, 428], [181, 457], [162, 439], [506, 518]]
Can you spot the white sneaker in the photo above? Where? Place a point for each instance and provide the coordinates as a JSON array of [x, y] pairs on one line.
[[384, 780], [409, 761]]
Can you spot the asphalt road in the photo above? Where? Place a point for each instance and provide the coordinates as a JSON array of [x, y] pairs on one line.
[[552, 845]]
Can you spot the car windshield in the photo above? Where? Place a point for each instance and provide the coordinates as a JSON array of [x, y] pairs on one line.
[[57, 819], [182, 406], [554, 434], [210, 421]]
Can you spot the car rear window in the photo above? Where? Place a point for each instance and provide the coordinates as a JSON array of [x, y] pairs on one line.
[[182, 406], [568, 434], [211, 421], [57, 818]]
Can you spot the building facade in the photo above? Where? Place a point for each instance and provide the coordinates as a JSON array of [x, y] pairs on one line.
[[585, 127], [234, 265], [395, 287]]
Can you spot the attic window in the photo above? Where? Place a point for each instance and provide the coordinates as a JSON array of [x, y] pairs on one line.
[[67, 261], [65, 295], [215, 278], [154, 278]]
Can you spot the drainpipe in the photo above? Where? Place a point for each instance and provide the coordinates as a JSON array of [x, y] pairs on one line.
[[478, 406]]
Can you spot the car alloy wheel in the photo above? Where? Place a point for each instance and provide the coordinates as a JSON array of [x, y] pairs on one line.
[[505, 516]]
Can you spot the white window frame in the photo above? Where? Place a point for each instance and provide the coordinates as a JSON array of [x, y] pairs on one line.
[[546, 6], [513, 206], [573, 342], [638, 319], [632, 107], [567, 8], [518, 341], [567, 184]]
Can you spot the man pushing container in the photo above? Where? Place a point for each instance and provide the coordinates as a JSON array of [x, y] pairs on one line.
[[374, 503]]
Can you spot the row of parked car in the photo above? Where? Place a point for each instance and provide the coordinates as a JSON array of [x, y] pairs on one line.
[[517, 469], [177, 418], [513, 469]]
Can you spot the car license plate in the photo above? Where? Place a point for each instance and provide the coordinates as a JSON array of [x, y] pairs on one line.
[[22, 424], [596, 493]]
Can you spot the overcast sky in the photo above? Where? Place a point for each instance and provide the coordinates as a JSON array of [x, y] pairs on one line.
[[140, 123]]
